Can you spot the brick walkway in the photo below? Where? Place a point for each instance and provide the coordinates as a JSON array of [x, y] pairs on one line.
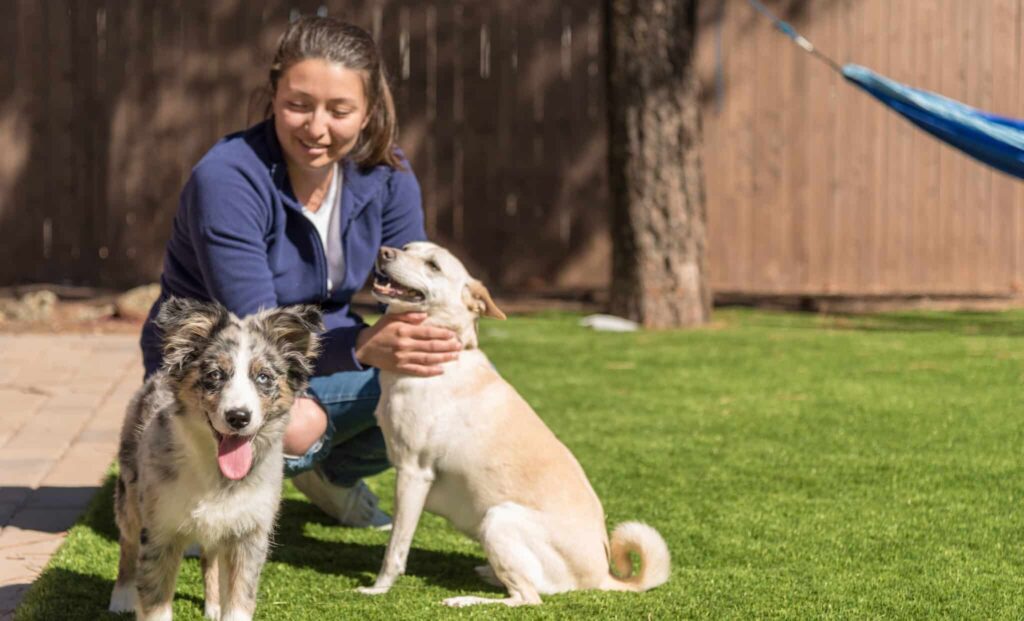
[[62, 398]]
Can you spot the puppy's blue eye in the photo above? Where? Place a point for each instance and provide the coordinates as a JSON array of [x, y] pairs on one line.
[[214, 376], [262, 379]]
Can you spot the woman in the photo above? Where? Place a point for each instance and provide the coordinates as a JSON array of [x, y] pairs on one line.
[[293, 210]]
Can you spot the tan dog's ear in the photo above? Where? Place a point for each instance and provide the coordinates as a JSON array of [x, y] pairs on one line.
[[479, 300]]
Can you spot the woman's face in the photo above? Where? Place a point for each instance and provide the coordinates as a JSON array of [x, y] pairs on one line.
[[319, 110]]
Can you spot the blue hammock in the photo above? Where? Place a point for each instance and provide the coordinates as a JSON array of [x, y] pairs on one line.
[[988, 138], [991, 139]]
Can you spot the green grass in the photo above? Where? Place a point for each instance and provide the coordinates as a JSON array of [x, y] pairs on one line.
[[799, 467]]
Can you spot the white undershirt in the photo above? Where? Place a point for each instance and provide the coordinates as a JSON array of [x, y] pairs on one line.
[[321, 218]]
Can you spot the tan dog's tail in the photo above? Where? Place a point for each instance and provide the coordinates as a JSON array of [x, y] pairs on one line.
[[646, 543]]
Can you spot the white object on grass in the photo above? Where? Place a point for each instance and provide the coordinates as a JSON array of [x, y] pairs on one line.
[[609, 323]]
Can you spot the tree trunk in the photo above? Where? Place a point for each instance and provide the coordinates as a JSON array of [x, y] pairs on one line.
[[659, 270]]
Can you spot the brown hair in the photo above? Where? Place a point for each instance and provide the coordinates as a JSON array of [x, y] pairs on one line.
[[333, 40]]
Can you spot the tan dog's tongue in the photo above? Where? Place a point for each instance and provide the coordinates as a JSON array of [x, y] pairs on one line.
[[234, 456]]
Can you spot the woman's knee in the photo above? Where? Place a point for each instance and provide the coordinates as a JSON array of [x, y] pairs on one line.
[[307, 424]]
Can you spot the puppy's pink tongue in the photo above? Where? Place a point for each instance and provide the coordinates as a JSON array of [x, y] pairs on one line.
[[234, 456]]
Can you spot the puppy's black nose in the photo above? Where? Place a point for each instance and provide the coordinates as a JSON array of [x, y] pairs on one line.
[[387, 253], [238, 419]]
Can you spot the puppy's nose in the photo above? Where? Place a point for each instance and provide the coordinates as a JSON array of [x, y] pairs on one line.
[[238, 419], [387, 253]]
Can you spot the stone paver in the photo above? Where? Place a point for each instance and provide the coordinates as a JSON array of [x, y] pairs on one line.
[[62, 398]]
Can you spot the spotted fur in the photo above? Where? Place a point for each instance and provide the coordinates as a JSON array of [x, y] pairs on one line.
[[170, 491]]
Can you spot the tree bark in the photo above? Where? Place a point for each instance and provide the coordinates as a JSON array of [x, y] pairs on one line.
[[659, 270]]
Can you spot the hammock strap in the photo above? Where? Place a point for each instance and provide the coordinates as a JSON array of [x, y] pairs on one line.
[[797, 38]]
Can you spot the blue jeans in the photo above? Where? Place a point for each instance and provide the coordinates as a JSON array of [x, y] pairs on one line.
[[352, 446]]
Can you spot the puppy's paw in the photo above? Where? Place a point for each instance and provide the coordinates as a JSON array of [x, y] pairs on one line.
[[236, 615], [160, 613], [373, 590], [212, 612], [122, 599]]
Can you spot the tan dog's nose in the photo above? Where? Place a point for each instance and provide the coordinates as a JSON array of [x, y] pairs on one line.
[[387, 254]]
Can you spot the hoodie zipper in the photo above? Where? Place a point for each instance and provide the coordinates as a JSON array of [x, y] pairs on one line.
[[321, 252]]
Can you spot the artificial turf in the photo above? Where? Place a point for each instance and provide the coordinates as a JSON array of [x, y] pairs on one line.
[[799, 467]]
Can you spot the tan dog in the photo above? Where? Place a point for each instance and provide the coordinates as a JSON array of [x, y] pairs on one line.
[[467, 447]]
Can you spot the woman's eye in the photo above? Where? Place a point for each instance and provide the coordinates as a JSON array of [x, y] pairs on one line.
[[340, 114], [262, 379], [297, 105]]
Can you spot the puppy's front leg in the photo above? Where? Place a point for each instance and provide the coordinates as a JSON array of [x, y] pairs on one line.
[[411, 489], [159, 559], [122, 599], [240, 563], [211, 584]]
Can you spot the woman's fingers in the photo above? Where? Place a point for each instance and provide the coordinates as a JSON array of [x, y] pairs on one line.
[[404, 329], [428, 333], [425, 338], [420, 370], [425, 359], [434, 345]]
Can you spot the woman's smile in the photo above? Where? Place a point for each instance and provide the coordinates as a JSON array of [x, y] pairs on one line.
[[314, 148]]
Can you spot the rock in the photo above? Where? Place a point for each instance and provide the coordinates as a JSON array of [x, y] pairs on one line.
[[88, 312], [34, 307], [134, 304]]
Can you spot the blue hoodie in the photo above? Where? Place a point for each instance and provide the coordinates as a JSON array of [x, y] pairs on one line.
[[240, 238]]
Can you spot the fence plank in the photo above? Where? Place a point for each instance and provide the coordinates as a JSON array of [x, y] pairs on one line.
[[923, 239]]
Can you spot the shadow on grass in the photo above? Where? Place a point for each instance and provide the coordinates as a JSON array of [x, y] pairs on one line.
[[72, 596], [355, 560], [966, 323], [1006, 323], [449, 570]]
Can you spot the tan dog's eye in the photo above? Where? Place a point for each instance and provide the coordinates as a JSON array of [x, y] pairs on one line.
[[432, 264]]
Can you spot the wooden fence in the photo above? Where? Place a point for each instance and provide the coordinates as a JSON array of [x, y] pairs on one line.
[[108, 103], [813, 188]]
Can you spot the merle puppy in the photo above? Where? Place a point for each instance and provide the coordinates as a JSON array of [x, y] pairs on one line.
[[201, 454]]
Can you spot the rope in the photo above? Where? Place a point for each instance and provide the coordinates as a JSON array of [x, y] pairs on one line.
[[791, 32]]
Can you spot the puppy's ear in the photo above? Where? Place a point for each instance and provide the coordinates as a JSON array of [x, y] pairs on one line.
[[187, 325], [478, 299], [294, 332]]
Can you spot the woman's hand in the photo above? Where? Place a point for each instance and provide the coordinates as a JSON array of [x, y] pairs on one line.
[[399, 343]]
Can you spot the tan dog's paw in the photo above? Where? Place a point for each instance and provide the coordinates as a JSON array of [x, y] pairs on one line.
[[373, 590], [469, 600]]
